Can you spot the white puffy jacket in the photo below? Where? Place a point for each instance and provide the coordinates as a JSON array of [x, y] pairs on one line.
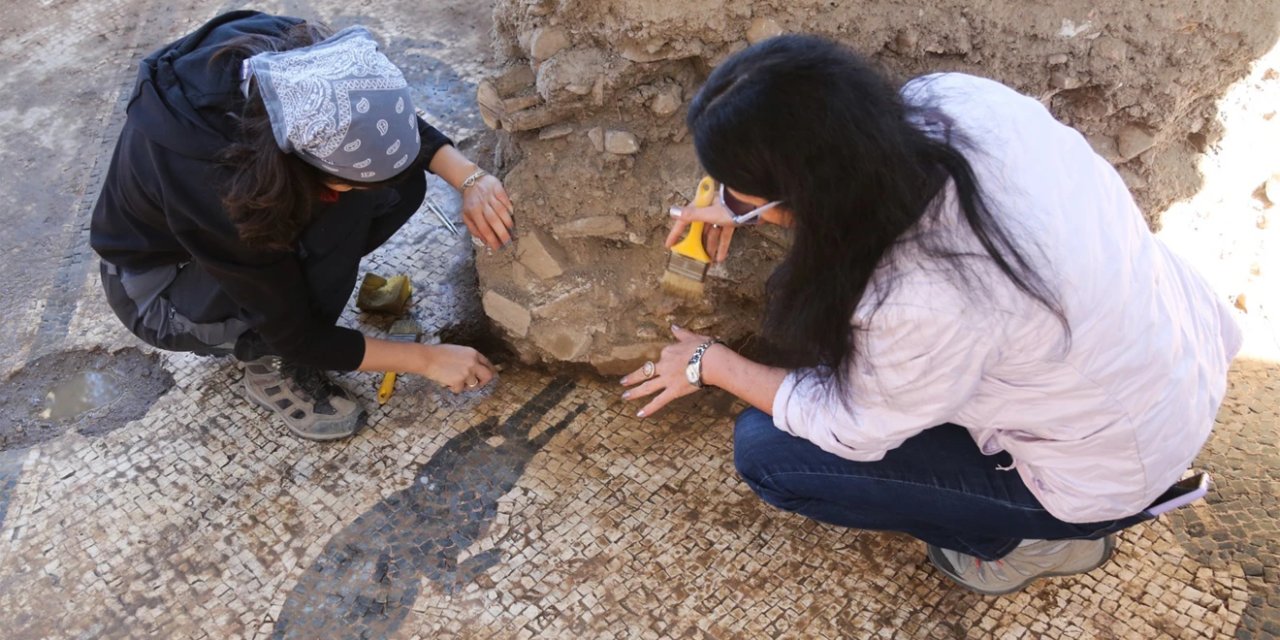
[[1097, 430]]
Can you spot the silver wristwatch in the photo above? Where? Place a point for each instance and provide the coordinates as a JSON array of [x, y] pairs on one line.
[[693, 372]]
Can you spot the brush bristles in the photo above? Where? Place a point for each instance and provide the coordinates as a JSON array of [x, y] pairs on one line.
[[684, 276], [677, 284], [687, 267], [404, 331]]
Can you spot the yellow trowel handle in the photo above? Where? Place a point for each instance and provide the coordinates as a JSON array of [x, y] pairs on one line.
[[387, 387], [691, 246]]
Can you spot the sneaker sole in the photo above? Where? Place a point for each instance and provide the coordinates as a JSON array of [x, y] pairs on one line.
[[360, 420], [941, 563]]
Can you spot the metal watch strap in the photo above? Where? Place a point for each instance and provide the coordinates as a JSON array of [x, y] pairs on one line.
[[693, 373]]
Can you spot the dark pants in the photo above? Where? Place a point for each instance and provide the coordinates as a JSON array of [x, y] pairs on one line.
[[938, 487], [183, 308]]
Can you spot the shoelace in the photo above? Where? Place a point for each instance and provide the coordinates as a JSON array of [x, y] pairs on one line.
[[311, 381]]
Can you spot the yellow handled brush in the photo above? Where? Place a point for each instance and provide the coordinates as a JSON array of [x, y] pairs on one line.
[[403, 330], [688, 263]]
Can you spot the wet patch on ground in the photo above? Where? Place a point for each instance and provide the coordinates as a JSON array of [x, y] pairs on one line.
[[92, 392]]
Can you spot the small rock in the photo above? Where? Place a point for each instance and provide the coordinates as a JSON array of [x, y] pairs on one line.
[[906, 42], [1110, 49], [596, 135], [564, 343], [1131, 178], [1058, 59], [763, 29], [652, 51], [555, 131], [521, 276], [592, 226], [1272, 188], [1104, 146], [507, 313], [622, 143], [1061, 79], [667, 101], [1241, 303], [541, 254], [1262, 222], [1132, 141], [540, 8], [490, 102], [547, 42]]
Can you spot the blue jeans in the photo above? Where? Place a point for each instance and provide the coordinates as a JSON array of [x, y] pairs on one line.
[[938, 487]]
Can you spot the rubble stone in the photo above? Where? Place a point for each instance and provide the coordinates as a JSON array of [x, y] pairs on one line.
[[541, 253], [667, 101], [591, 226], [763, 28], [547, 42], [555, 131], [566, 344], [621, 142], [596, 136], [506, 312], [1133, 141]]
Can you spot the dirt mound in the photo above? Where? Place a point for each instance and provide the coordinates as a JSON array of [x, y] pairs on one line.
[[590, 119]]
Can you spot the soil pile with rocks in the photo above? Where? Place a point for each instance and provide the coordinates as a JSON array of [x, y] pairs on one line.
[[589, 116]]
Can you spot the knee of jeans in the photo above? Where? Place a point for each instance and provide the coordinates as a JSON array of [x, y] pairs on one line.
[[750, 454], [776, 494]]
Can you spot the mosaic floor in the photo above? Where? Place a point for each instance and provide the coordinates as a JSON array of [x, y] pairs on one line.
[[541, 509]]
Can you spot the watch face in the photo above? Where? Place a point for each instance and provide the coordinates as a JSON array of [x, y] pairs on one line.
[[693, 375]]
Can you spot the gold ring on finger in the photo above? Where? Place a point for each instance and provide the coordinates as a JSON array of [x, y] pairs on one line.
[[649, 369]]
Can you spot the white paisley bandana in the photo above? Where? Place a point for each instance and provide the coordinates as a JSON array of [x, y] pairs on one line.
[[340, 105]]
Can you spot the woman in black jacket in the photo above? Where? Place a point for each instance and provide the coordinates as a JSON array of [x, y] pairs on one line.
[[262, 157]]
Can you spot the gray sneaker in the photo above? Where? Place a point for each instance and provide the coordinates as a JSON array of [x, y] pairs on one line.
[[1039, 559], [311, 405]]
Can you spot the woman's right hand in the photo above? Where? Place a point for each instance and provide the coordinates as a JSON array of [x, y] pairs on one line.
[[457, 367], [716, 235]]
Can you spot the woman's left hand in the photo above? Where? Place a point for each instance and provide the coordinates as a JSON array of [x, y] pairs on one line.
[[667, 379], [716, 235], [487, 212]]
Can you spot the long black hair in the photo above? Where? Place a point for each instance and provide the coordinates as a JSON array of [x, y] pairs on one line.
[[271, 195], [807, 121]]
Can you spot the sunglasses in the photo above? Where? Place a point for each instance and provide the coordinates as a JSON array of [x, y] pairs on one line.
[[744, 214]]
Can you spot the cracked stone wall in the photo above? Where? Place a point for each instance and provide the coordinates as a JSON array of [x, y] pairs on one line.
[[589, 122]]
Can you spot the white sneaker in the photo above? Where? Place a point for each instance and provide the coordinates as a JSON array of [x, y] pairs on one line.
[[1027, 563]]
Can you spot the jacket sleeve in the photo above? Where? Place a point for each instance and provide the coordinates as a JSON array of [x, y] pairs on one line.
[[269, 285], [432, 139], [917, 366]]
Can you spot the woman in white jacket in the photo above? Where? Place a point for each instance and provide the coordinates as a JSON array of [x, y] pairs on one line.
[[979, 341]]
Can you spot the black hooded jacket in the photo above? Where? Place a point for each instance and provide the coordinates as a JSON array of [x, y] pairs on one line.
[[161, 203]]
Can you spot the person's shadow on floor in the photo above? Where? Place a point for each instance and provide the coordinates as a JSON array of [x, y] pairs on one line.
[[365, 581]]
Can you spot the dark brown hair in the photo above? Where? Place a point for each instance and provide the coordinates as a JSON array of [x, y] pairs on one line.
[[271, 195]]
